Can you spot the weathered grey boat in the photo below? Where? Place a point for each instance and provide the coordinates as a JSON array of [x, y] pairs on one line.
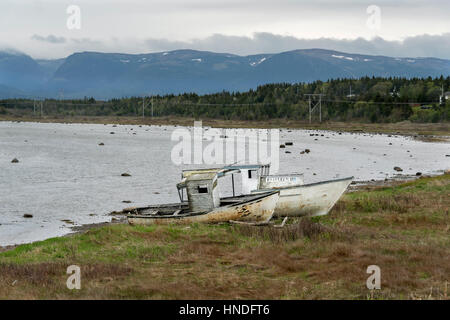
[[205, 205]]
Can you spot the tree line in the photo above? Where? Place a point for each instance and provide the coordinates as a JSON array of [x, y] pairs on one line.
[[367, 99]]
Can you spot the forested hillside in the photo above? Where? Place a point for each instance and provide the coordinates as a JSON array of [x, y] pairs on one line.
[[365, 100]]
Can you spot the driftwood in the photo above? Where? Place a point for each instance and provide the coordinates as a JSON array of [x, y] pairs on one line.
[[282, 224], [250, 223], [260, 224]]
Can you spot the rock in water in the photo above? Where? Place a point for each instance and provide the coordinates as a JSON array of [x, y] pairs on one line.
[[126, 175], [15, 160], [27, 215], [398, 169]]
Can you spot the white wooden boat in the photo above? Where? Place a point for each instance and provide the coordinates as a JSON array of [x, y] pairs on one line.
[[315, 199], [296, 198]]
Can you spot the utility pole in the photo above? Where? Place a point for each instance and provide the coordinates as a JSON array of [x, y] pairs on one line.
[[319, 104], [152, 107], [34, 107], [42, 106], [143, 107]]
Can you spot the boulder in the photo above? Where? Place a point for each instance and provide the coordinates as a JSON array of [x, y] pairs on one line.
[[15, 160], [126, 175], [398, 169], [27, 215]]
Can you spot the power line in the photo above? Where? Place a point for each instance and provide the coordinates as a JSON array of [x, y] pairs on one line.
[[70, 103]]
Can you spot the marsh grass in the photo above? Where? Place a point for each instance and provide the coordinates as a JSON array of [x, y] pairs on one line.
[[299, 229]]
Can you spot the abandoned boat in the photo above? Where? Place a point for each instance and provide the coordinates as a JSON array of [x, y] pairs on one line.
[[296, 198], [204, 204], [315, 199]]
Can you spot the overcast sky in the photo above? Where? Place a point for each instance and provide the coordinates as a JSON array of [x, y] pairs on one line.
[[404, 28]]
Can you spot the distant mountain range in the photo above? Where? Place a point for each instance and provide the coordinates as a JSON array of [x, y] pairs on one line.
[[114, 75]]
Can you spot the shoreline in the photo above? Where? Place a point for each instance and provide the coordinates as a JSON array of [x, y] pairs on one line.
[[119, 217], [427, 132]]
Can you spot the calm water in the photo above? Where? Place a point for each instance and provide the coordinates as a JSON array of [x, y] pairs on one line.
[[63, 173]]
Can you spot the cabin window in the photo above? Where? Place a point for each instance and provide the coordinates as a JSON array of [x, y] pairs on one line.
[[202, 189], [251, 173]]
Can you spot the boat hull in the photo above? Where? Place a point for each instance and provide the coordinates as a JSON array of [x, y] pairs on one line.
[[259, 210], [311, 200]]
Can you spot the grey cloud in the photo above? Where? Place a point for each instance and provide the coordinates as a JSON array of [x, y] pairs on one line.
[[86, 41], [416, 46], [50, 39]]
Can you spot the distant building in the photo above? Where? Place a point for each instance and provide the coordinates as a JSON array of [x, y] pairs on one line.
[[447, 95], [443, 97]]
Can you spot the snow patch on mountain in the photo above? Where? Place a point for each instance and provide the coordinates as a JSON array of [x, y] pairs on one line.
[[254, 64], [342, 57]]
